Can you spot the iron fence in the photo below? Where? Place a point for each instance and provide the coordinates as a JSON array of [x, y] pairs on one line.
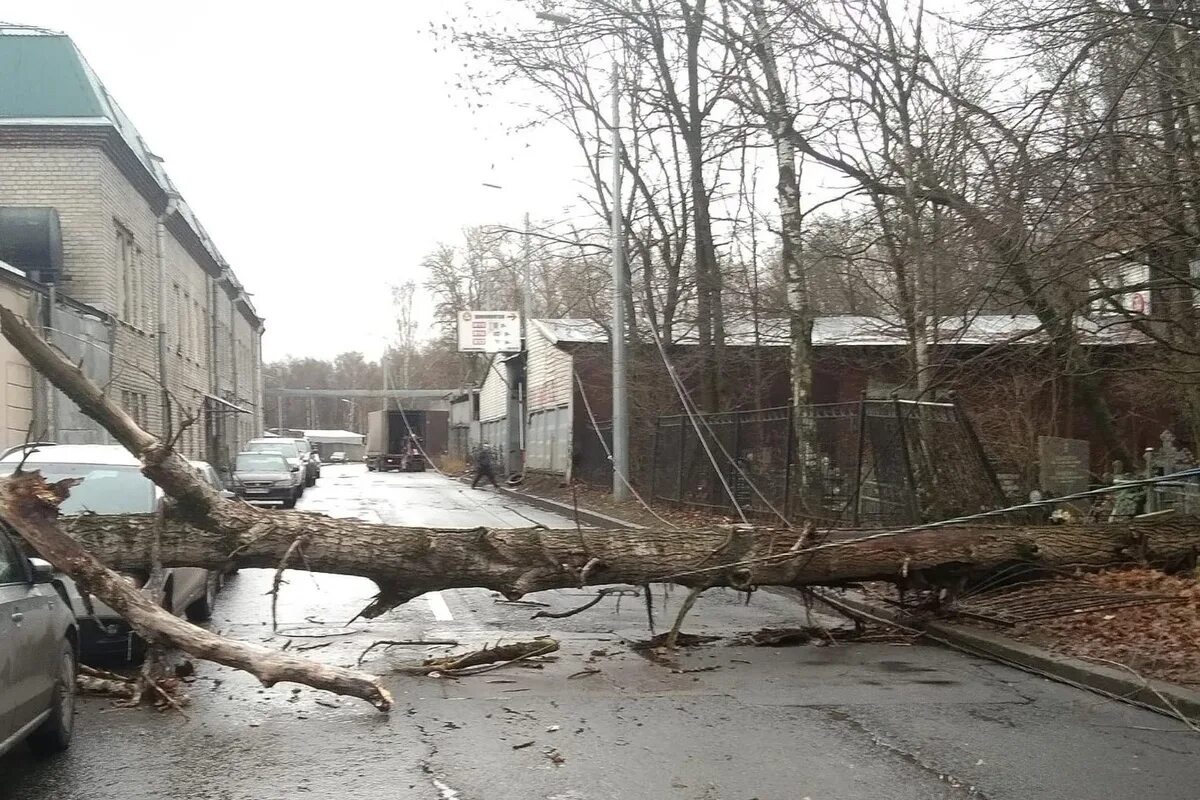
[[867, 462]]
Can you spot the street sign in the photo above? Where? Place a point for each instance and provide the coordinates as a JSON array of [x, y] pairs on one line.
[[489, 332]]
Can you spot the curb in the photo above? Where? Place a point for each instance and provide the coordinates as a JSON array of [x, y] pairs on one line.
[[593, 518], [1165, 698], [1169, 699]]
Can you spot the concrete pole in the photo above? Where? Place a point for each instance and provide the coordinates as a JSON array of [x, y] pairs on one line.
[[620, 398], [526, 285]]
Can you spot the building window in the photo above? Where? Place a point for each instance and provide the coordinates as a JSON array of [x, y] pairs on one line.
[[131, 281], [188, 330], [177, 317], [135, 406], [198, 321]]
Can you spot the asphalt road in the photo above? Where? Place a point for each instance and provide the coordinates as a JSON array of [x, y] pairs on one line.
[[730, 723]]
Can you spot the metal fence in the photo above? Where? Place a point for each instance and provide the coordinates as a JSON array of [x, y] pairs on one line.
[[868, 462]]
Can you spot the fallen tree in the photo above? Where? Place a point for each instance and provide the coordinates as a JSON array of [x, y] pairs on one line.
[[202, 529]]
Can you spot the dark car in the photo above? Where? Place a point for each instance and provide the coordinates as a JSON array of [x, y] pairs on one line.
[[265, 476], [38, 639], [295, 454]]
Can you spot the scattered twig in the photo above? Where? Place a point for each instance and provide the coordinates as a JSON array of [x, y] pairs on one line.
[[455, 666], [583, 673], [278, 581], [600, 595], [385, 643], [1166, 701]]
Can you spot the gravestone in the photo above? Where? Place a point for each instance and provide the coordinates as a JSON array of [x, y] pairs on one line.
[[1064, 465]]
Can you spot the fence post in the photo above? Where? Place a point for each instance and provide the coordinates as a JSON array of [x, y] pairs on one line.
[[679, 472], [788, 455], [856, 500], [977, 447], [914, 503], [735, 478], [654, 459]]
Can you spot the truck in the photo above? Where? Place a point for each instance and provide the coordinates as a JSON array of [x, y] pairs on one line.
[[401, 440]]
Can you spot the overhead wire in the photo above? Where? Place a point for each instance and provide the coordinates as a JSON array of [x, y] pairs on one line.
[[1123, 486], [608, 453]]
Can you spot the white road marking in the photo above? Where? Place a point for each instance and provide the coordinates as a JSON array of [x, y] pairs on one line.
[[437, 604]]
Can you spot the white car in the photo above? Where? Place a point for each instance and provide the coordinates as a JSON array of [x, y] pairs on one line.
[[113, 483], [337, 458]]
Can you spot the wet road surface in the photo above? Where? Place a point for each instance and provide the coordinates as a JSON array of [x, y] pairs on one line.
[[733, 723]]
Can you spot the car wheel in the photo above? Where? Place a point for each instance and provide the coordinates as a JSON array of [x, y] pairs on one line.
[[288, 503], [309, 482], [54, 735], [202, 607]]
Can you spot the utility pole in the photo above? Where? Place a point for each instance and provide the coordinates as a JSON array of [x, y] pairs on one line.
[[526, 285], [620, 397]]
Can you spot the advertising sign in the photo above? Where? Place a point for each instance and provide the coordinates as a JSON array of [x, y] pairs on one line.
[[489, 332]]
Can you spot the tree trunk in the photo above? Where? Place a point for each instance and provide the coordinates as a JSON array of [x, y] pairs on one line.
[[407, 562], [204, 530]]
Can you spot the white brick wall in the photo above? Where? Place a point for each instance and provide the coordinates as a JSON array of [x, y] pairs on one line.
[[16, 404], [93, 197]]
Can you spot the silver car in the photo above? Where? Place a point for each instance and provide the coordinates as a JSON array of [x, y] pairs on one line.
[[38, 645], [291, 449], [112, 484]]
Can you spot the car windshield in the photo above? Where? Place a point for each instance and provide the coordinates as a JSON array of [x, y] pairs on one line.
[[106, 489], [287, 449], [261, 462]]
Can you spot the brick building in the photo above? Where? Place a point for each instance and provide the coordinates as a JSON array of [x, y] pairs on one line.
[[87, 208]]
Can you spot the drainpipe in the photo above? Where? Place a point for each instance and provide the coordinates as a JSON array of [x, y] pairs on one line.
[[52, 422], [163, 371], [217, 434]]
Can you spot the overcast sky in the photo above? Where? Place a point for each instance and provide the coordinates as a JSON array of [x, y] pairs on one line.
[[321, 144]]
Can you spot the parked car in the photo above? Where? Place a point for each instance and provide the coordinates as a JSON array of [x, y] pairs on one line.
[[112, 483], [337, 458], [292, 450], [209, 475], [38, 654], [262, 475]]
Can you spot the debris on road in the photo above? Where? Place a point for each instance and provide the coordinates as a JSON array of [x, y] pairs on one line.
[[482, 660]]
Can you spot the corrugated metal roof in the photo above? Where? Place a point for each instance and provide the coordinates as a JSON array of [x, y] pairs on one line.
[[865, 331], [32, 61], [44, 79]]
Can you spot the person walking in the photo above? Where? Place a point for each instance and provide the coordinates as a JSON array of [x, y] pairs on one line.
[[484, 467]]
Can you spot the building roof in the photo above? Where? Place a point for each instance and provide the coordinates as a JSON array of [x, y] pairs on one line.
[[45, 80], [865, 331], [334, 437]]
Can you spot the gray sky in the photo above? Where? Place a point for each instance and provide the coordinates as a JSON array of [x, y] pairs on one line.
[[317, 143]]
